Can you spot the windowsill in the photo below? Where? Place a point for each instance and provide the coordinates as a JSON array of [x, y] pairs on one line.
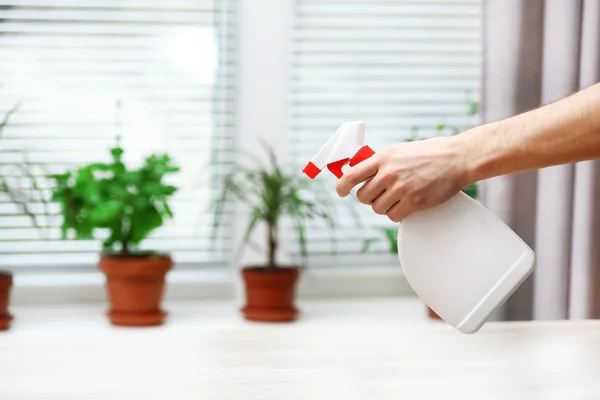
[[219, 314], [88, 286]]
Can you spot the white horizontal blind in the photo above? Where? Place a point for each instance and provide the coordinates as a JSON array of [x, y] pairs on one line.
[[394, 64], [171, 65]]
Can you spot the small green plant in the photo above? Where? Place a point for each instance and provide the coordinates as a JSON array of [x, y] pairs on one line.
[[272, 195], [129, 203]]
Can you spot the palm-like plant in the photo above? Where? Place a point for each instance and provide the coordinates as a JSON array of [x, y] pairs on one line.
[[272, 194]]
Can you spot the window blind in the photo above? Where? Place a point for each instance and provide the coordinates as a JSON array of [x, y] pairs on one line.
[[170, 64], [403, 67]]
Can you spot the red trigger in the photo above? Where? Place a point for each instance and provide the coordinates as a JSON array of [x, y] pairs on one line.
[[336, 167], [361, 155]]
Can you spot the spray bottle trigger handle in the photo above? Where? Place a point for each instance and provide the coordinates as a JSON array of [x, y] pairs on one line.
[[360, 156], [336, 167]]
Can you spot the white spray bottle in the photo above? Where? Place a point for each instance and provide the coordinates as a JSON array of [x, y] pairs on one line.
[[459, 258]]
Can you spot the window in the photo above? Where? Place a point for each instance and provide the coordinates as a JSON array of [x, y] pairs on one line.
[[170, 65], [403, 67]]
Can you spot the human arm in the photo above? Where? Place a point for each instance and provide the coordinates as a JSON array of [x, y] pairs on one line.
[[408, 177], [562, 132]]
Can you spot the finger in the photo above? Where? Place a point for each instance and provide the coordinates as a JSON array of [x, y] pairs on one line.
[[386, 201], [356, 175], [370, 191], [400, 210]]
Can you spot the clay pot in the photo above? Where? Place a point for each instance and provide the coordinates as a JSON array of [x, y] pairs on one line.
[[270, 294], [432, 314], [135, 287], [6, 281]]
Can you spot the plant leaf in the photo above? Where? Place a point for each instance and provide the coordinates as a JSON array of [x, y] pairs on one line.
[[255, 217], [7, 116], [367, 244], [300, 229], [167, 209], [473, 108], [471, 190], [143, 222], [105, 213]]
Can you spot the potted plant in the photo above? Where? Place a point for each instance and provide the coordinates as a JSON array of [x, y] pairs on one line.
[[19, 185], [271, 195], [6, 278], [5, 287], [129, 204]]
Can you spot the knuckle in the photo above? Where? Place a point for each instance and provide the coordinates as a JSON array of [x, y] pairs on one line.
[[388, 177], [393, 217], [419, 201], [378, 209], [350, 177], [397, 215], [361, 195], [399, 189]]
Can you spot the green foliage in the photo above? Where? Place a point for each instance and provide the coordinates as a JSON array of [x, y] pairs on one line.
[[271, 195], [414, 134], [448, 129], [472, 109], [28, 190], [391, 233], [472, 190], [130, 204]]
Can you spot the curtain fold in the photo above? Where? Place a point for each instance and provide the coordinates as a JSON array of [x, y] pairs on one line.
[[536, 52]]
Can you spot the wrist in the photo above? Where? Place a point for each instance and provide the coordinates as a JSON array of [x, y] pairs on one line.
[[476, 153]]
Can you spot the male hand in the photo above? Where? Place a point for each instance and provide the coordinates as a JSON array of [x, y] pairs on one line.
[[408, 177]]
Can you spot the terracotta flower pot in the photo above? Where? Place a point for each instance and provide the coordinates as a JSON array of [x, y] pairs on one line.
[[5, 287], [135, 287], [432, 314], [270, 294]]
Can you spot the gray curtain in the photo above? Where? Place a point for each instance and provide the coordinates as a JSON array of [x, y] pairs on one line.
[[536, 52]]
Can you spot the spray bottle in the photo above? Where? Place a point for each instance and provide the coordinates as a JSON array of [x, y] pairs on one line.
[[460, 259]]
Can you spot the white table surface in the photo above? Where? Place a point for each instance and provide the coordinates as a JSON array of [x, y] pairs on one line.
[[360, 349]]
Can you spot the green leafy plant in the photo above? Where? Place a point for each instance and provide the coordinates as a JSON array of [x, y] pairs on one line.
[[272, 194], [129, 203]]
